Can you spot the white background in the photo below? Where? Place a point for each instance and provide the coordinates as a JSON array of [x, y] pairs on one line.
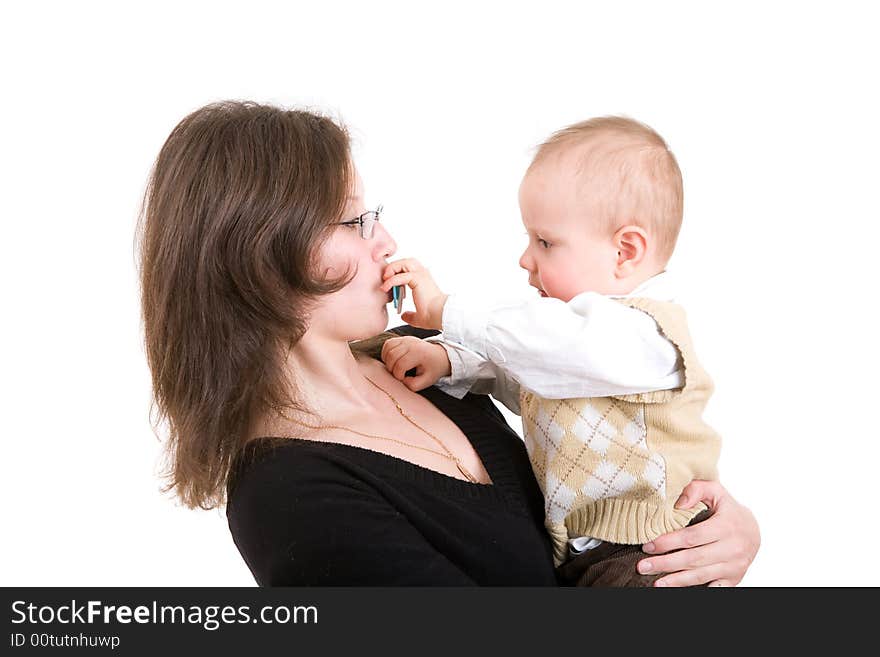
[[771, 109]]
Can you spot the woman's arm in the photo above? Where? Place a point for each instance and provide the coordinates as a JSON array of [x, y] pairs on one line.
[[717, 551]]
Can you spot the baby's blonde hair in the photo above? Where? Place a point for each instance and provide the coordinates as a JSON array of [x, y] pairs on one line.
[[638, 174]]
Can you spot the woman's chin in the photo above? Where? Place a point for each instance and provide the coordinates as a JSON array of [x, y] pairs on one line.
[[382, 322]]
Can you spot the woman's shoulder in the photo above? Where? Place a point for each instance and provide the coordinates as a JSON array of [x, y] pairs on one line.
[[267, 464], [278, 483], [285, 499]]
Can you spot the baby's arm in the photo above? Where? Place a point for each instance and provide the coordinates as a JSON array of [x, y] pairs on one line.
[[470, 372], [592, 346], [451, 367]]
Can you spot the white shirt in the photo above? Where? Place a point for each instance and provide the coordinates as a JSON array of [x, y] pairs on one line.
[[590, 346]]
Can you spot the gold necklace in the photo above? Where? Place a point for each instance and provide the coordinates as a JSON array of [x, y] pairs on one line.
[[446, 453]]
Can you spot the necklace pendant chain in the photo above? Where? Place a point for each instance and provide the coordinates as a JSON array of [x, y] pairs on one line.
[[467, 475], [449, 453], [446, 453]]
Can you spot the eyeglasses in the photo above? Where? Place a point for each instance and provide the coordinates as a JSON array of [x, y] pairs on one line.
[[367, 222]]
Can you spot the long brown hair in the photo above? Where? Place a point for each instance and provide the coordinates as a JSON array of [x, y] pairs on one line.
[[239, 201]]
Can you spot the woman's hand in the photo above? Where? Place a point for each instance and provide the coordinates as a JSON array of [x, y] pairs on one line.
[[717, 551], [427, 297]]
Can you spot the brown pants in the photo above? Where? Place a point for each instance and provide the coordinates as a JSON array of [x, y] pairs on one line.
[[611, 564]]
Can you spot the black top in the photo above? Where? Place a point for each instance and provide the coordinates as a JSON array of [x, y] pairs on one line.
[[305, 512]]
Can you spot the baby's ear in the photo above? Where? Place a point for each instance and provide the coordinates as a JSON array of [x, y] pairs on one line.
[[631, 242]]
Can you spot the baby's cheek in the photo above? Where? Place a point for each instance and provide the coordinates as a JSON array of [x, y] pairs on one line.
[[560, 284], [551, 289]]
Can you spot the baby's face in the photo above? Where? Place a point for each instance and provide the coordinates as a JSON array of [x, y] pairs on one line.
[[567, 252]]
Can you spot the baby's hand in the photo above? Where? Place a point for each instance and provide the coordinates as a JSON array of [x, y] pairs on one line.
[[427, 297], [429, 358]]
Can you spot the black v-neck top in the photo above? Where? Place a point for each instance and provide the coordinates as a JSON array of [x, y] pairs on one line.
[[305, 512]]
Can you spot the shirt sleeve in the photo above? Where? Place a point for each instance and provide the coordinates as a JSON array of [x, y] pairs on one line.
[[591, 346], [470, 372], [330, 529]]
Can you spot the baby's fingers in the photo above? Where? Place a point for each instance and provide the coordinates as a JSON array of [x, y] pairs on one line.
[[391, 350], [420, 381], [392, 354], [404, 264], [406, 278], [404, 363]]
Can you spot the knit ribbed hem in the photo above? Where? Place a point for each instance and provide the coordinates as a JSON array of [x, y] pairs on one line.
[[559, 537], [617, 520]]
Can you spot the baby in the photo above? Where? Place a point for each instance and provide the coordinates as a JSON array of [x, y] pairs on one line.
[[601, 368]]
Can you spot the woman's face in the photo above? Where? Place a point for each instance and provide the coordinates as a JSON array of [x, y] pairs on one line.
[[360, 309]]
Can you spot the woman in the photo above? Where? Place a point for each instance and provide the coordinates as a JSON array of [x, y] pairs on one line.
[[261, 275]]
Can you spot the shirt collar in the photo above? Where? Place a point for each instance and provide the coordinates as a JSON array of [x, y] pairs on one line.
[[658, 287]]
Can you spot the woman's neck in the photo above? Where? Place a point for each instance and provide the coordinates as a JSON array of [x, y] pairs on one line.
[[329, 379]]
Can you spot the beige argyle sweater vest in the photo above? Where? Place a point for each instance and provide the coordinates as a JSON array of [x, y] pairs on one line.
[[613, 467]]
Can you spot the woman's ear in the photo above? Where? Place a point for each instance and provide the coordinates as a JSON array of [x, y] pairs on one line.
[[632, 247]]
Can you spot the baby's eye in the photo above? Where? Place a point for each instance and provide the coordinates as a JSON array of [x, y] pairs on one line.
[[544, 243]]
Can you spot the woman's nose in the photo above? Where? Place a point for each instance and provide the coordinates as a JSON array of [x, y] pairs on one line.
[[384, 245]]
